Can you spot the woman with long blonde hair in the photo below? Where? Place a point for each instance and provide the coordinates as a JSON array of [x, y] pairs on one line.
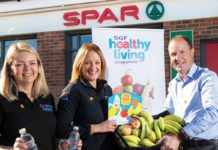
[[25, 101]]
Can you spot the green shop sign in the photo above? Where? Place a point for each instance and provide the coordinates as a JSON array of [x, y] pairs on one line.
[[155, 10]]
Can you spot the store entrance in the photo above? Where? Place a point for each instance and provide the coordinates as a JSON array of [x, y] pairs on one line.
[[209, 53], [211, 56]]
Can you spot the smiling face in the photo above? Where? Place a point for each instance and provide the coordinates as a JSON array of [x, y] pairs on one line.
[[91, 68], [181, 56], [24, 68]]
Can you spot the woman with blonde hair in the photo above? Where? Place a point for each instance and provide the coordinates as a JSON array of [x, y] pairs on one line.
[[25, 101], [84, 102]]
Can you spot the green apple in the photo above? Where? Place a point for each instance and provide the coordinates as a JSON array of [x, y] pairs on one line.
[[128, 88]]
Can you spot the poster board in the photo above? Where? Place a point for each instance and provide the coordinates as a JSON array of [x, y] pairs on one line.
[[135, 62]]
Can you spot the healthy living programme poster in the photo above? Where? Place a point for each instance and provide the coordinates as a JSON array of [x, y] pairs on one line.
[[135, 63]]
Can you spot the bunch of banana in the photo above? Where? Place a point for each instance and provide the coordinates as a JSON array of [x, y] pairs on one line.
[[148, 117], [132, 140], [173, 123], [170, 124], [150, 131], [143, 125]]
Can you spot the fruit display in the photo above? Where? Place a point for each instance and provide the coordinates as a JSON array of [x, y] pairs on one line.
[[145, 90], [128, 86], [126, 80], [145, 132]]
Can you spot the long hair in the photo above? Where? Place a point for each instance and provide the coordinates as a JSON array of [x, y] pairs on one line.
[[80, 60], [8, 86]]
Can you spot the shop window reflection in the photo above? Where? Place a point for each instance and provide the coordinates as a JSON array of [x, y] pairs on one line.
[[5, 44]]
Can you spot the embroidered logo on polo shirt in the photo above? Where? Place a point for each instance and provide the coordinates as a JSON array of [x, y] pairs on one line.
[[66, 92], [22, 106], [91, 98], [64, 97], [46, 107]]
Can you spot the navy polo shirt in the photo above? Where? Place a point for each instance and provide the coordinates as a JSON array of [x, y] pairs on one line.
[[38, 118]]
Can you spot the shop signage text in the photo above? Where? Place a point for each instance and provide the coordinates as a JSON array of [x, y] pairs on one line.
[[75, 18]]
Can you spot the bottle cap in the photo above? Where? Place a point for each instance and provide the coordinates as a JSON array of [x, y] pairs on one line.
[[75, 128], [22, 131]]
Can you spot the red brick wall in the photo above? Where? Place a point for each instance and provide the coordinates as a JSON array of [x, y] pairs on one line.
[[202, 29], [51, 47]]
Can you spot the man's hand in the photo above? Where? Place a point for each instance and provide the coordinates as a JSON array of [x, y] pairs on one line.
[[171, 142]]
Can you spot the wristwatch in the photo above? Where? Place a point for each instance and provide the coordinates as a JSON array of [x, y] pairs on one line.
[[183, 136]]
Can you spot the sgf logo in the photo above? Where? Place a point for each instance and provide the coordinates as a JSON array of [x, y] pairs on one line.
[[155, 10]]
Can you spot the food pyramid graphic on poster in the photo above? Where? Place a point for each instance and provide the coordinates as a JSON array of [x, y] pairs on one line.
[[122, 105]]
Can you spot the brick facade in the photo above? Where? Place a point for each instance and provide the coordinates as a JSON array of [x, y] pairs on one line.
[[51, 47]]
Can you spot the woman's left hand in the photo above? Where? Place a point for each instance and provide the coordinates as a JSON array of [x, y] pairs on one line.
[[80, 144], [65, 143]]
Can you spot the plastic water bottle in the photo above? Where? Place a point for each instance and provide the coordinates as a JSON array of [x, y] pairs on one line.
[[74, 138], [28, 139]]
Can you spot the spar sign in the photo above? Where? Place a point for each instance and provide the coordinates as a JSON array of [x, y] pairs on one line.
[[135, 64]]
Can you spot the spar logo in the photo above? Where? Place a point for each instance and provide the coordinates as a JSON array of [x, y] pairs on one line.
[[155, 10], [128, 50]]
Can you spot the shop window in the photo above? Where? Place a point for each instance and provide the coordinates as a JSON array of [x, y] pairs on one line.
[[74, 41], [6, 42], [77, 41]]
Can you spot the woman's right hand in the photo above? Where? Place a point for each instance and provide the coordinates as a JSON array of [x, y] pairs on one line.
[[106, 126], [19, 144]]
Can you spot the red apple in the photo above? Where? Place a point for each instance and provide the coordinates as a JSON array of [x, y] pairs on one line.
[[135, 124], [126, 80], [138, 88], [126, 129]]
